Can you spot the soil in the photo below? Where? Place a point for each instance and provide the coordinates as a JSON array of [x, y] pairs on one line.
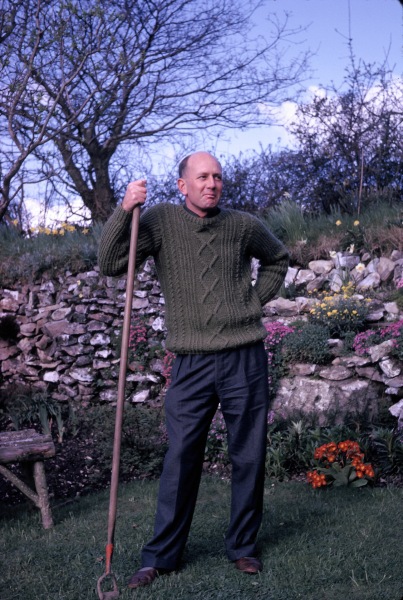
[[70, 473]]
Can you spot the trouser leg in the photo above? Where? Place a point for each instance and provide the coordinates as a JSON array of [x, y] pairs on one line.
[[244, 403], [190, 405]]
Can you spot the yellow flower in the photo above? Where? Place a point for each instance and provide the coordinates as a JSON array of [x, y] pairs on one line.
[[338, 222], [356, 223]]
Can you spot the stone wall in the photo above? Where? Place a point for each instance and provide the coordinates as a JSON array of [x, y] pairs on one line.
[[69, 335], [68, 344]]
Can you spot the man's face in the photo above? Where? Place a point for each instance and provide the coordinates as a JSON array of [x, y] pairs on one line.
[[201, 183]]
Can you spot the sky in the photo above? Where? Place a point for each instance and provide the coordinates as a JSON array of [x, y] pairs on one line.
[[376, 28]]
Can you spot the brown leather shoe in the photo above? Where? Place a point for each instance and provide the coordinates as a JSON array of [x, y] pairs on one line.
[[249, 564], [142, 577]]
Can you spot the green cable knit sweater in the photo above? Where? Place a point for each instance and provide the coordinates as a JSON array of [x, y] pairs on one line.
[[204, 268]]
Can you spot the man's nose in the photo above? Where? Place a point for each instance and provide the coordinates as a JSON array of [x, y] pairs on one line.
[[211, 181]]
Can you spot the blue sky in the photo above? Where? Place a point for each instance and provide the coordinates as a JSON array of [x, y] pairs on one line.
[[375, 26]]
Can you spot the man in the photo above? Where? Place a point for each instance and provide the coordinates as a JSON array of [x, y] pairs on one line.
[[213, 317]]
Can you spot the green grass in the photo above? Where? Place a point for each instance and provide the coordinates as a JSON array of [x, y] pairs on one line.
[[332, 544]]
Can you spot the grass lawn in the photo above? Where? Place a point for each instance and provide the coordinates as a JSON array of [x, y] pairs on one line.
[[332, 544]]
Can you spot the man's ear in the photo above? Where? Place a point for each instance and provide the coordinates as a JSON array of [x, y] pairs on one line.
[[182, 186]]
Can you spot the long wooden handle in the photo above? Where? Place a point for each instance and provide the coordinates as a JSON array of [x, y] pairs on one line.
[[121, 386]]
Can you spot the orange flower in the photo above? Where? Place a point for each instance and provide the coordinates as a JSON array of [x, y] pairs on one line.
[[344, 454]]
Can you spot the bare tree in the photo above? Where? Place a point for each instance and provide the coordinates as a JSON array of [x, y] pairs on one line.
[[27, 113], [351, 138], [114, 77]]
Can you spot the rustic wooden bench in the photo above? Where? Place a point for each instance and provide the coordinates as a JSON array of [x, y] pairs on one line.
[[31, 449]]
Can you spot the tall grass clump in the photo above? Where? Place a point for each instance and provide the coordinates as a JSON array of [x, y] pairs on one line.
[[377, 230]]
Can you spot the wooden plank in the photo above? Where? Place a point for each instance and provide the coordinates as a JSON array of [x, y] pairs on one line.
[[25, 445]]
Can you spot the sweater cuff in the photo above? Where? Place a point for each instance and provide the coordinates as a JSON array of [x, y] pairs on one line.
[[121, 215]]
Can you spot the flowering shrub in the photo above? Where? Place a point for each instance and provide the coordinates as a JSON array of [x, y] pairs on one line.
[[168, 361], [138, 340], [341, 313], [340, 464], [273, 342], [216, 446], [393, 331]]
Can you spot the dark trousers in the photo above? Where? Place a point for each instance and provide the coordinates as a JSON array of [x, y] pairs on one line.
[[237, 379]]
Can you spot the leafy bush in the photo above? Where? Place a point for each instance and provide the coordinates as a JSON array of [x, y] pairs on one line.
[[307, 343], [276, 332]]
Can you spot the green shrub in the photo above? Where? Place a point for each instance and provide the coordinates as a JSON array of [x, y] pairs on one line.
[[289, 450], [276, 332], [307, 343]]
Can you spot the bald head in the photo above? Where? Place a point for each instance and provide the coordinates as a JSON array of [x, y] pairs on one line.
[[185, 161]]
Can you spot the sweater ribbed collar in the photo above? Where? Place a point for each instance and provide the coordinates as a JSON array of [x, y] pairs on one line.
[[202, 223]]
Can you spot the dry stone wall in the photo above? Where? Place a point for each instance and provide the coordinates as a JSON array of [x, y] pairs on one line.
[[68, 343]]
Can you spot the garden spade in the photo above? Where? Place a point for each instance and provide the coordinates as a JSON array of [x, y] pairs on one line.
[[108, 575]]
